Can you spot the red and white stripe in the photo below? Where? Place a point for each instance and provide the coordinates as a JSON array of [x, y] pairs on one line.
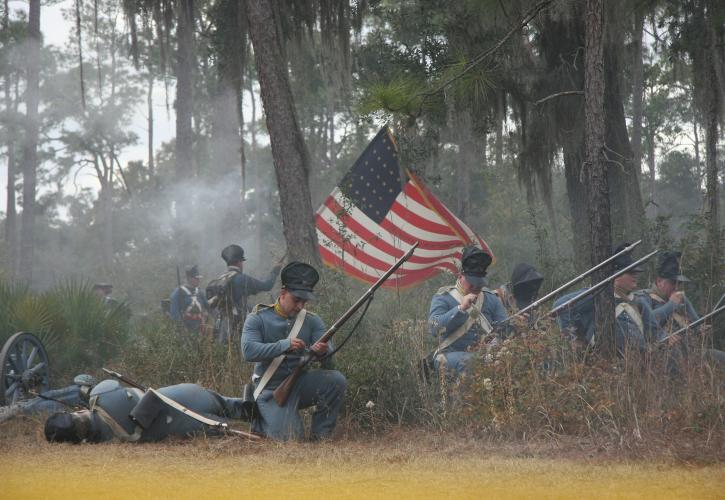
[[349, 240]]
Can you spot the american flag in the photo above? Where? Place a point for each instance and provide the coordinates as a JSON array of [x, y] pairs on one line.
[[374, 214]]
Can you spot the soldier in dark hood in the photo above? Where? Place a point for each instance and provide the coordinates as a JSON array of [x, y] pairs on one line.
[[522, 289]]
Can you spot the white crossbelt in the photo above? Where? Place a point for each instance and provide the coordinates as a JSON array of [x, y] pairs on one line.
[[272, 368], [472, 320]]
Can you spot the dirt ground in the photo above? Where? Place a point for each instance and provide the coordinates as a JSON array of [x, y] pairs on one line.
[[401, 465]]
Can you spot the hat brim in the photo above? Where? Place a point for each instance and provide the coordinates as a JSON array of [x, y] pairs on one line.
[[682, 279], [475, 281], [302, 294]]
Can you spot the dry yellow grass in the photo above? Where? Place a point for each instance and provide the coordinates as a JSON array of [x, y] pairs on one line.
[[411, 465]]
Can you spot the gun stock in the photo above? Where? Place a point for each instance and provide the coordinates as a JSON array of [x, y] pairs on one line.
[[281, 393]]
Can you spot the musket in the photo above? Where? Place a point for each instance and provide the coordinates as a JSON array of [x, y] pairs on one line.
[[183, 409], [64, 403], [601, 284], [125, 379], [569, 283], [695, 323], [282, 392]]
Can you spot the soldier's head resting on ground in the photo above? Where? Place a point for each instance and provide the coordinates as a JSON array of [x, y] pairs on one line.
[[233, 255], [474, 263], [627, 282], [73, 427], [669, 273], [298, 281]]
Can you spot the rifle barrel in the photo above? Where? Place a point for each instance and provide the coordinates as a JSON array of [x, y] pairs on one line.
[[599, 285], [573, 281], [695, 323], [282, 392]]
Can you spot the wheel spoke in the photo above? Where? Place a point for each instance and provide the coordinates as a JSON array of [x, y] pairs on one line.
[[12, 389], [19, 359], [37, 368], [32, 355]]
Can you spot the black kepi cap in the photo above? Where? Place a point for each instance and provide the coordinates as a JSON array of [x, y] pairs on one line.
[[192, 271], [233, 253], [669, 266], [625, 260], [300, 279], [474, 263]]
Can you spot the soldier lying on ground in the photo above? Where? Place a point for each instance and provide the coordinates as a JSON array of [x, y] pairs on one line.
[[74, 395], [128, 414]]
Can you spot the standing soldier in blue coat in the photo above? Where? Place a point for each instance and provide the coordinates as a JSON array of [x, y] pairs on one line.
[[239, 286], [188, 303], [274, 337], [461, 315]]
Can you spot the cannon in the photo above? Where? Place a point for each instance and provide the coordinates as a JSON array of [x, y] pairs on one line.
[[24, 368]]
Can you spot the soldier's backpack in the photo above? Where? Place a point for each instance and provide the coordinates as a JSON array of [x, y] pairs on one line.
[[219, 292]]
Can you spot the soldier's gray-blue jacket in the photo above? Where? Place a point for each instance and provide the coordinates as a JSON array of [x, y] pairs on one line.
[[126, 413], [181, 308], [444, 317], [264, 337], [244, 285], [666, 312], [579, 320]]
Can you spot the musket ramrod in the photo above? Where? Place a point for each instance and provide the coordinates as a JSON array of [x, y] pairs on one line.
[[282, 392]]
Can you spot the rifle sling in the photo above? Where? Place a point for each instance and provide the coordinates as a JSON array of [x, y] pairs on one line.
[[274, 365]]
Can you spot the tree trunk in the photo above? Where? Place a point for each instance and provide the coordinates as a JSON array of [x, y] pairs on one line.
[[11, 235], [637, 90], [30, 142], [289, 153], [500, 119], [596, 171], [651, 162], [150, 124], [712, 181], [184, 131], [627, 209]]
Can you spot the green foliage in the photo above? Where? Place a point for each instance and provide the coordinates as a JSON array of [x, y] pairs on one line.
[[79, 331]]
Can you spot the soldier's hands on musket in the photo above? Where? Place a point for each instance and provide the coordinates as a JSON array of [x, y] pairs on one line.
[[468, 301], [677, 298], [319, 348], [296, 344], [674, 340]]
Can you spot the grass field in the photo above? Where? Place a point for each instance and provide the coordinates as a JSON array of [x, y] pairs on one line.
[[401, 465]]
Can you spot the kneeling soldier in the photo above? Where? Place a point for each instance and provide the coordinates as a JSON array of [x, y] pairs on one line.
[[274, 337], [462, 314]]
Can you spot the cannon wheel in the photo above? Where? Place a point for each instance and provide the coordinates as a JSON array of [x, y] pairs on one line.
[[24, 364]]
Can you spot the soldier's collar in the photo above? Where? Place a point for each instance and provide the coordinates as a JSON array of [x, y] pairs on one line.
[[278, 310], [655, 289]]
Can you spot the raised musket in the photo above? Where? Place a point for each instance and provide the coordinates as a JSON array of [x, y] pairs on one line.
[[695, 323], [282, 392], [601, 284], [569, 283]]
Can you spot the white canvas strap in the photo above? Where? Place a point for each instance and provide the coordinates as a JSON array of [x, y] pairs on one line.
[[623, 307], [478, 318], [272, 368]]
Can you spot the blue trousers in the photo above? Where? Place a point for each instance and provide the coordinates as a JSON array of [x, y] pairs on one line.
[[455, 361], [324, 389]]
